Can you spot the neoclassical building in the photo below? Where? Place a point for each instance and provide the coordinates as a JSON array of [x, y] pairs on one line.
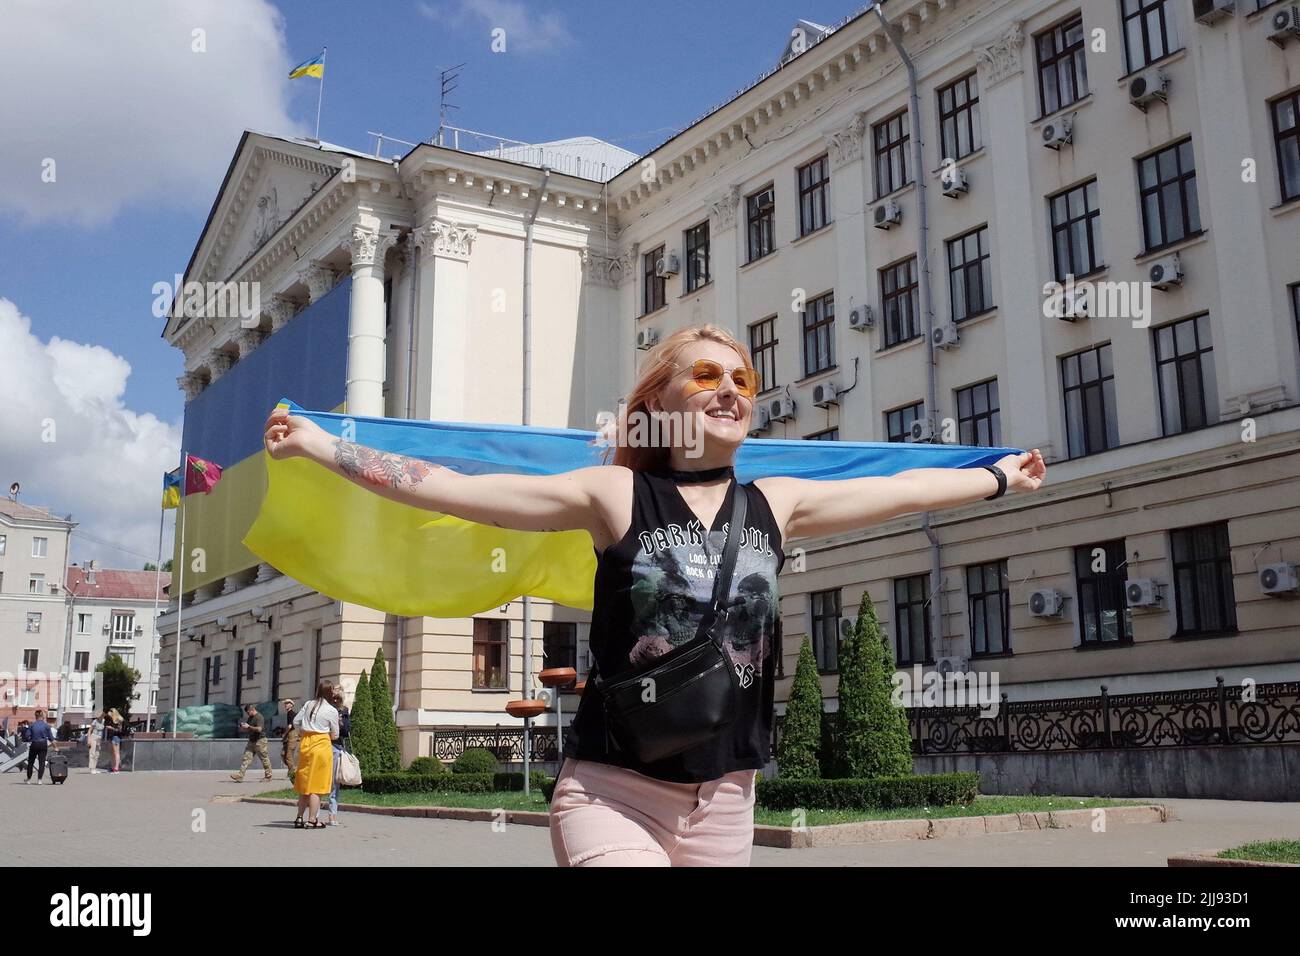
[[884, 220]]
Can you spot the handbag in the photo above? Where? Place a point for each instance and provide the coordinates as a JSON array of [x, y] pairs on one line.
[[349, 770], [688, 696]]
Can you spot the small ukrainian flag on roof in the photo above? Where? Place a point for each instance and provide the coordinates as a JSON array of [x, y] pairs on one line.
[[313, 67]]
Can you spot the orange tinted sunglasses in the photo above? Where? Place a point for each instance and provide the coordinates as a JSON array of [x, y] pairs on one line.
[[706, 375]]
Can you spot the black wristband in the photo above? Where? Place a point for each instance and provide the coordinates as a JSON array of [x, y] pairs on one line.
[[1001, 476]]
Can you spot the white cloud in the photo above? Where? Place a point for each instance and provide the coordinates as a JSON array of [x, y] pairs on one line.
[[117, 97], [106, 462], [525, 31]]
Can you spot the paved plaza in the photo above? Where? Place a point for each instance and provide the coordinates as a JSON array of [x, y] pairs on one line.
[[192, 819]]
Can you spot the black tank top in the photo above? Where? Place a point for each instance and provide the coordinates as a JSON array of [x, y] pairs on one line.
[[651, 591]]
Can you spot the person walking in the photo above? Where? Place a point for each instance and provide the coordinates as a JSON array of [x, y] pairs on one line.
[[252, 724], [318, 724], [669, 781], [41, 736], [340, 747], [289, 743], [93, 737], [114, 729]]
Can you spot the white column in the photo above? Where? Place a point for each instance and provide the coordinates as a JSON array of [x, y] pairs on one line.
[[367, 246], [1023, 389], [724, 267], [442, 326], [601, 337], [852, 288]]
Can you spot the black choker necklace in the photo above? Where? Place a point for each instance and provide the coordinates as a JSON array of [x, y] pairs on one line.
[[695, 477]]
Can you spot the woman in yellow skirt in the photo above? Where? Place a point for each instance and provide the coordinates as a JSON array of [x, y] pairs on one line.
[[318, 725]]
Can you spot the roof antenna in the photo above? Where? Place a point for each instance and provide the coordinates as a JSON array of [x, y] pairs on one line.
[[448, 79]]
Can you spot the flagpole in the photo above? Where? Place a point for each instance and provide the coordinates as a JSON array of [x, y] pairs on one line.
[[157, 593], [320, 92], [180, 601]]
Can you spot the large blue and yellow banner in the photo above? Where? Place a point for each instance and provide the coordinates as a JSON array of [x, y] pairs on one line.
[[353, 545]]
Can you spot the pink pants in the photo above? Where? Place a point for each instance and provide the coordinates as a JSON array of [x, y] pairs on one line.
[[603, 815]]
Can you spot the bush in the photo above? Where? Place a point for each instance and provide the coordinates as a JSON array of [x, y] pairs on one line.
[[871, 735], [796, 751], [475, 760], [427, 765], [388, 752], [453, 783], [362, 737], [877, 793]]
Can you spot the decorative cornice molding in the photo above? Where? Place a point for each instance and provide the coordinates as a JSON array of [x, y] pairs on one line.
[[279, 309], [218, 363], [1000, 59], [450, 240], [191, 383], [318, 278], [722, 210], [845, 144]]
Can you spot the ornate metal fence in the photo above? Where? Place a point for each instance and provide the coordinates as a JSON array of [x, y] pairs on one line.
[[505, 743]]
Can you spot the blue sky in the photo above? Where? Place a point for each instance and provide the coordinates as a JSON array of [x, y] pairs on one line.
[[140, 107]]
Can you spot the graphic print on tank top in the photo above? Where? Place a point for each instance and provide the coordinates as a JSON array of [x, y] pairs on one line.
[[673, 574]]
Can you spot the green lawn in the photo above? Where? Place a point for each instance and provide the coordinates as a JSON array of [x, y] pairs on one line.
[[983, 806], [1266, 851]]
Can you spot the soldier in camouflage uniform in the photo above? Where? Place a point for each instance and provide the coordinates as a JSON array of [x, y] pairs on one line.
[[289, 746], [253, 724]]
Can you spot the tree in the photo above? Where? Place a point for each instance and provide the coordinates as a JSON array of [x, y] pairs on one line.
[[796, 752], [362, 737], [872, 735], [167, 566], [388, 752], [119, 685]]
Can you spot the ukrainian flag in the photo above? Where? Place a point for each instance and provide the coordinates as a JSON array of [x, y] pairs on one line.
[[171, 497], [313, 67], [353, 545]]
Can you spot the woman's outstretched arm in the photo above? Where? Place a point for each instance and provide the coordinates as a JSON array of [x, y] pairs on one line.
[[808, 507], [561, 502]]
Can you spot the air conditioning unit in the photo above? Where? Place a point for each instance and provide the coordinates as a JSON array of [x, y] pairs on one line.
[[923, 430], [826, 394], [780, 409], [951, 665], [861, 318], [1166, 272], [888, 214], [1144, 592], [1284, 25], [54, 587], [1148, 88], [1058, 132], [1211, 11], [1074, 304], [667, 265], [1048, 602], [1279, 579], [945, 336], [954, 181], [759, 421], [646, 338]]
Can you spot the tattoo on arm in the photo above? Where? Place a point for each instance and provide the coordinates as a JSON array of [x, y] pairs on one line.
[[380, 468]]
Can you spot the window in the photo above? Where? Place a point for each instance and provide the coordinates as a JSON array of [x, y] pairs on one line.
[[36, 584], [814, 192], [123, 625], [1185, 373], [819, 334], [250, 663], [990, 608], [1203, 580], [697, 256], [33, 622], [760, 214], [82, 661], [829, 434], [1088, 380], [239, 676], [26, 698], [153, 698], [898, 301], [216, 669], [654, 286], [898, 423], [1076, 231], [560, 644], [826, 630], [79, 697], [489, 654], [959, 117], [762, 347], [3, 540], [1104, 616], [30, 657], [207, 677], [1150, 31], [979, 419], [890, 140], [40, 547], [1062, 70], [1286, 138], [316, 636], [970, 275], [1167, 188], [911, 612], [1295, 311], [84, 623], [275, 670]]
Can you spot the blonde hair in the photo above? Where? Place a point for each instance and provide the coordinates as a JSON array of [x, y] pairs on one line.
[[656, 372]]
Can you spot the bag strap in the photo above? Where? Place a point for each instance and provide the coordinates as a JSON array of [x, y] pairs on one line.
[[722, 582]]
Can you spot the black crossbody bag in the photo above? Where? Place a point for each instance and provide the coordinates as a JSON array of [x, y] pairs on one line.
[[685, 697]]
